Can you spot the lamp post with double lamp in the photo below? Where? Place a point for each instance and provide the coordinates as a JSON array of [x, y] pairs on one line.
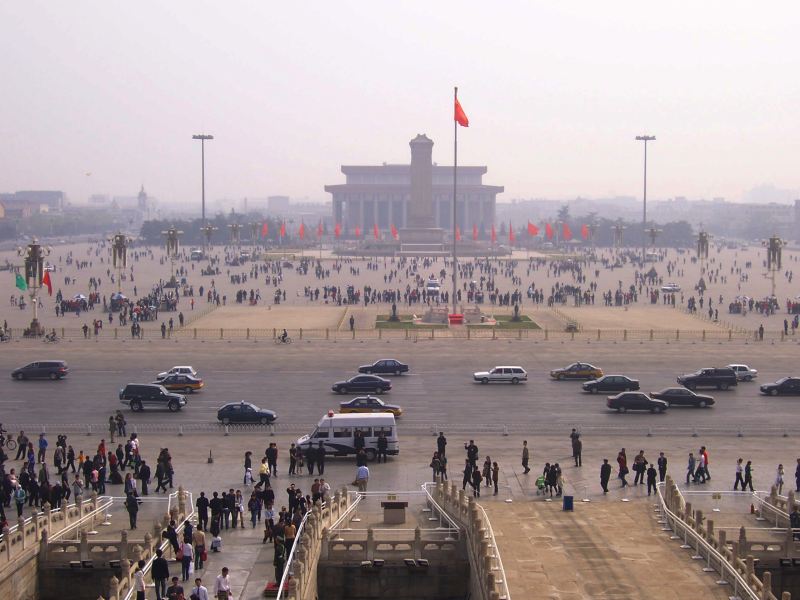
[[171, 237], [645, 139], [203, 137], [119, 255], [33, 255]]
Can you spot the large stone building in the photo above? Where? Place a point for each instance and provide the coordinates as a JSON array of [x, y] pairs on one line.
[[382, 195]]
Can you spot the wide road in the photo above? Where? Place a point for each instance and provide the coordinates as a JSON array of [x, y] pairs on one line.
[[295, 381]]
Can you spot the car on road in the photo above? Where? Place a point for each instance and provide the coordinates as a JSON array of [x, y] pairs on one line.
[[577, 371], [386, 366], [680, 396], [185, 370], [611, 383], [743, 372], [787, 386], [244, 412], [501, 374], [150, 395], [362, 383], [720, 378], [42, 369], [368, 404], [181, 383], [671, 288], [635, 401]]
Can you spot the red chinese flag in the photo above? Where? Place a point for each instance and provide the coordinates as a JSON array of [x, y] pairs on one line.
[[46, 281], [510, 233], [566, 231], [395, 234], [494, 234], [283, 229], [302, 231], [264, 230], [375, 233], [458, 233], [585, 231], [532, 229], [548, 231], [358, 231], [337, 230], [460, 115], [319, 230], [474, 232]]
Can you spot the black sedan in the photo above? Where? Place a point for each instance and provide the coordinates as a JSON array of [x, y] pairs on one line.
[[385, 366], [635, 401], [678, 396], [611, 383], [788, 386], [244, 412], [363, 383]]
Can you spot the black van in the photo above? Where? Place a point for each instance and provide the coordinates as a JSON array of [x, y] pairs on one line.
[[139, 395], [43, 369], [721, 379]]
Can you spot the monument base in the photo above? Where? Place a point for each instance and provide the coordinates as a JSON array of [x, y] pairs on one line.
[[421, 241]]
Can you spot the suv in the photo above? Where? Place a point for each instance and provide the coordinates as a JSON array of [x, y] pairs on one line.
[[43, 369], [139, 395], [743, 372], [508, 374], [718, 378]]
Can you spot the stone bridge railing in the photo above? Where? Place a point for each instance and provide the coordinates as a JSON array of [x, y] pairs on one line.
[[369, 544]]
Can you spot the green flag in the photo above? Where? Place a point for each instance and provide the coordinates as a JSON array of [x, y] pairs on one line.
[[21, 282]]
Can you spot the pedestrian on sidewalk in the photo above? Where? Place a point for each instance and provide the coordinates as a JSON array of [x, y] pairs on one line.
[[362, 478], [605, 475], [797, 476], [160, 574], [577, 446], [739, 475], [222, 585], [779, 478], [526, 457], [662, 466], [441, 445], [199, 591], [187, 559], [748, 475], [651, 479], [495, 476], [139, 585], [622, 461], [199, 543], [690, 471]]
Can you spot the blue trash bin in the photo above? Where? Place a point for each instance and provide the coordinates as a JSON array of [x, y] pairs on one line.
[[568, 503]]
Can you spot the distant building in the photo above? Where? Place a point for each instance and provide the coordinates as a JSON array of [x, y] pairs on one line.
[[47, 201], [277, 204]]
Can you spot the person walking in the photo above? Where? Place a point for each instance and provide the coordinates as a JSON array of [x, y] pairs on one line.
[[622, 461], [202, 511], [160, 574], [690, 469], [707, 474], [199, 591], [271, 455], [605, 475], [132, 506], [383, 447], [662, 466], [467, 474], [319, 456], [222, 585], [292, 459], [577, 446], [187, 558], [199, 542], [476, 482], [144, 477], [651, 479], [700, 473], [495, 475], [139, 585], [526, 458], [436, 465], [441, 445], [779, 478], [639, 467], [748, 475], [362, 478]]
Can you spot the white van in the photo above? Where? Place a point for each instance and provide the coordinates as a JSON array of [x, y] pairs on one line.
[[337, 434]]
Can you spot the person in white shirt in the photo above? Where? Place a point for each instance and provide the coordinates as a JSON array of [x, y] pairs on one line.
[[324, 490], [138, 581], [222, 586], [199, 591]]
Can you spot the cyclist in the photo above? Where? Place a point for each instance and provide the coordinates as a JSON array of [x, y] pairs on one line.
[[284, 336], [51, 337]]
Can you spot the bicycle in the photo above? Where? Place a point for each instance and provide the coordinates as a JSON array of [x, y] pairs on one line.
[[50, 340], [280, 340], [8, 442]]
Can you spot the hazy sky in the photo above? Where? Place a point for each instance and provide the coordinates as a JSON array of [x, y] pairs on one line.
[[101, 96]]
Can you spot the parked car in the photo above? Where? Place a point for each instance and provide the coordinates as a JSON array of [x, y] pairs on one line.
[[635, 401], [368, 404], [177, 371], [611, 383], [501, 374], [244, 412], [743, 372], [671, 288], [787, 386], [680, 396], [181, 383], [139, 395], [720, 378], [577, 371], [385, 366], [43, 369], [363, 383]]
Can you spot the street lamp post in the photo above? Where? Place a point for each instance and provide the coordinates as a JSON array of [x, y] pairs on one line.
[[119, 255], [645, 139], [203, 137], [33, 255], [171, 236]]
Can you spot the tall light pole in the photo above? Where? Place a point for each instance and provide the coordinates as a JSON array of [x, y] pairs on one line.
[[33, 255], [203, 137], [645, 139]]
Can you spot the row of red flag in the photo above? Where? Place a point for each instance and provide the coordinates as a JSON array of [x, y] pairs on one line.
[[533, 230]]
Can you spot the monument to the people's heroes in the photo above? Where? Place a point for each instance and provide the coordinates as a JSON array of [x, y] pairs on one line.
[[421, 228]]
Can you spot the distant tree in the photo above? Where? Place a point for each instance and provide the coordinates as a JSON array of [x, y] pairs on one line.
[[563, 213]]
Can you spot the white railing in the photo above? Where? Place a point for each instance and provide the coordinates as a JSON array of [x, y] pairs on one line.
[[439, 510], [728, 573], [287, 569], [505, 593]]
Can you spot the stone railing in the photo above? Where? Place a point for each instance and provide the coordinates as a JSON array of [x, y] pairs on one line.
[[734, 560], [484, 554], [369, 544]]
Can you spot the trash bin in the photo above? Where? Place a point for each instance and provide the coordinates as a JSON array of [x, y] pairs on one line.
[[568, 503]]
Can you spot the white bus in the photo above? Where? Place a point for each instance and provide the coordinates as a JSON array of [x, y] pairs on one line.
[[337, 434]]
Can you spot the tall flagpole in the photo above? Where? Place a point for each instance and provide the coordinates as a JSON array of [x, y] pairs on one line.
[[455, 172]]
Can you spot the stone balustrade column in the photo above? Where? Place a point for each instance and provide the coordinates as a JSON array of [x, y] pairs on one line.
[[491, 582], [123, 545], [21, 531], [723, 540], [766, 590], [786, 596], [113, 588], [43, 547], [125, 566], [790, 501], [698, 520], [687, 512], [735, 552], [417, 547], [743, 539], [84, 545], [710, 530], [773, 495], [148, 541], [182, 501], [749, 562], [325, 543], [6, 532], [370, 545]]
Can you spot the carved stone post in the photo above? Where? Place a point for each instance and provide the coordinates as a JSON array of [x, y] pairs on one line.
[[21, 530], [417, 542], [43, 548], [766, 579], [742, 539], [84, 545], [123, 545], [113, 588], [370, 545], [181, 500]]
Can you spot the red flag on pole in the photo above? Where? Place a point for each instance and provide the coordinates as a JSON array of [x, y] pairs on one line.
[[395, 234], [283, 229], [510, 233], [264, 229], [474, 232], [548, 231], [494, 234], [585, 231], [319, 229], [458, 233], [46, 281], [358, 231], [375, 233], [566, 231], [460, 116], [302, 231], [337, 230], [532, 229]]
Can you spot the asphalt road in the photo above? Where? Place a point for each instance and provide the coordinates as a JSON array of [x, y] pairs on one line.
[[295, 381]]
